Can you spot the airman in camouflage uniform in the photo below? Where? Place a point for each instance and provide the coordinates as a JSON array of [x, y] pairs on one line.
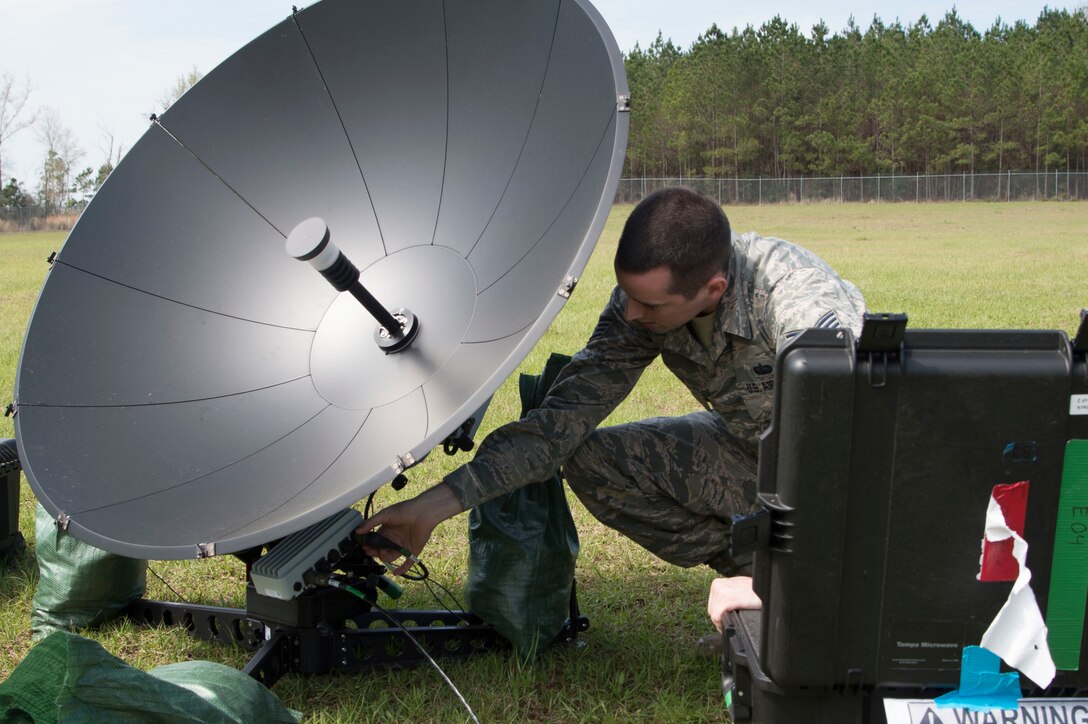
[[670, 484]]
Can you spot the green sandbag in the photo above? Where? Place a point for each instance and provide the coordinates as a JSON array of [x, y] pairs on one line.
[[67, 678], [79, 585], [522, 550]]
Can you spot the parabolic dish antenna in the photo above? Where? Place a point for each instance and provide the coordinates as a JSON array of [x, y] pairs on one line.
[[188, 388]]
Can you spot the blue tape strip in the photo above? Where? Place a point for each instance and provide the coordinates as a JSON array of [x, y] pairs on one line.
[[982, 685]]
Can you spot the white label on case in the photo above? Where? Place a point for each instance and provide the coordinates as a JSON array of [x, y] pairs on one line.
[[1078, 405]]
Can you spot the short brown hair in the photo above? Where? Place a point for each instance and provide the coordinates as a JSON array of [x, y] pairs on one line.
[[681, 229]]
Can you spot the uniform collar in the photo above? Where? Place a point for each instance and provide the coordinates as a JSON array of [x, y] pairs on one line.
[[732, 310]]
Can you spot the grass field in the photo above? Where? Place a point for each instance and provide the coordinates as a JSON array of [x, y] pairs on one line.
[[1013, 265]]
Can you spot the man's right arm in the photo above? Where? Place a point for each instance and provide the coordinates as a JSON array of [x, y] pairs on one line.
[[410, 523], [521, 452], [595, 381]]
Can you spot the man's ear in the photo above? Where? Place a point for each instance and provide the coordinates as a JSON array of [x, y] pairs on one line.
[[716, 286]]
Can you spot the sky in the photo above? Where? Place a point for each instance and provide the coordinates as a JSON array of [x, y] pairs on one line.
[[102, 65]]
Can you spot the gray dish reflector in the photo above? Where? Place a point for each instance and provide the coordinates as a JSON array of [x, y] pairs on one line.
[[186, 385]]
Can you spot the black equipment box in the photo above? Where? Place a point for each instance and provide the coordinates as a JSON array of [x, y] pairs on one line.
[[11, 540], [875, 477]]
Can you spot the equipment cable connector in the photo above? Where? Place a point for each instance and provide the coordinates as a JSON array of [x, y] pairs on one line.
[[373, 539], [385, 585]]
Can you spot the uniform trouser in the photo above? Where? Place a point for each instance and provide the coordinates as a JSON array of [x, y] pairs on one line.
[[671, 484]]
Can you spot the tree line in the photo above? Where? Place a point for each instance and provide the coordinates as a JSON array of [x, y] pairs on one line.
[[771, 101], [890, 99]]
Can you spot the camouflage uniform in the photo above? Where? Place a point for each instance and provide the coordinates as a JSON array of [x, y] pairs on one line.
[[671, 484]]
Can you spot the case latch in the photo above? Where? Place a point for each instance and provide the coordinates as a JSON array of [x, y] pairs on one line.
[[768, 527]]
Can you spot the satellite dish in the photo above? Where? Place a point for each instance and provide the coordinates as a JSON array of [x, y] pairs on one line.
[[188, 388]]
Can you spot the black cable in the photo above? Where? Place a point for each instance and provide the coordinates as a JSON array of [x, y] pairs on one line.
[[453, 612], [369, 503], [394, 621], [434, 663], [442, 604], [163, 581], [423, 574]]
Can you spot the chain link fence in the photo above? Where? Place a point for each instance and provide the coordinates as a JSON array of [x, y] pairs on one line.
[[38, 218], [1009, 186]]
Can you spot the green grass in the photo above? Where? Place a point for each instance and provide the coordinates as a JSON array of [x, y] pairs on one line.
[[970, 265], [1018, 265]]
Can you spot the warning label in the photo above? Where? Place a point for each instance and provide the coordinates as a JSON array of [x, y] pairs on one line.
[[1078, 404], [1031, 711]]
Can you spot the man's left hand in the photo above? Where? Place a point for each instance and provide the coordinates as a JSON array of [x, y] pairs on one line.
[[730, 594]]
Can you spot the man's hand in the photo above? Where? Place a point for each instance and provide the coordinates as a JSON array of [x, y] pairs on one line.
[[410, 523], [730, 594]]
